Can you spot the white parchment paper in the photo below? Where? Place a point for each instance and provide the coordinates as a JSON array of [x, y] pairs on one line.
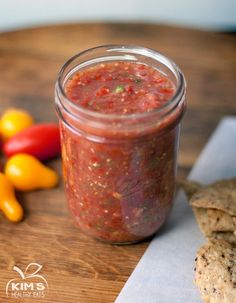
[[165, 272]]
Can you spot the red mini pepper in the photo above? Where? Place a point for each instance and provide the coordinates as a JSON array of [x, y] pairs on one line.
[[40, 140]]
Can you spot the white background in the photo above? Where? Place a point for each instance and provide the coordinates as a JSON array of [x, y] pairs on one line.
[[206, 14]]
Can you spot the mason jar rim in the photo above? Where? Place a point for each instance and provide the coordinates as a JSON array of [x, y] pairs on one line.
[[132, 49]]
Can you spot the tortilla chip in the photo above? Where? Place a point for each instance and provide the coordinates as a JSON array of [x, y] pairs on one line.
[[202, 220], [234, 220], [189, 187], [212, 220], [216, 272], [220, 221], [220, 195], [228, 236]]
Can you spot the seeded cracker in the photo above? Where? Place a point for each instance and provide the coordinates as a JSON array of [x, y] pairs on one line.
[[216, 272]]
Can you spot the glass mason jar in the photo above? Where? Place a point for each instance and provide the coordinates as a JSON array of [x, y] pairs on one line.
[[119, 170]]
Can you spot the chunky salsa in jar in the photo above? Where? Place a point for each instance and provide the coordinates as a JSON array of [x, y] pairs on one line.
[[119, 127]]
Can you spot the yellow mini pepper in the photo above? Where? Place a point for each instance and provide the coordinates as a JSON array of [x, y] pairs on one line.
[[8, 203], [28, 173], [13, 121]]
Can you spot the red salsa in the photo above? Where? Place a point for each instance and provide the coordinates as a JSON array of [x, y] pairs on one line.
[[120, 88], [120, 190]]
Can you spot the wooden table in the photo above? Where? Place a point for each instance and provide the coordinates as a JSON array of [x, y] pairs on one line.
[[77, 268]]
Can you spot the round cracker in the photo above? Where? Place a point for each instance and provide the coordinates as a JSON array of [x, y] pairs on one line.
[[216, 272]]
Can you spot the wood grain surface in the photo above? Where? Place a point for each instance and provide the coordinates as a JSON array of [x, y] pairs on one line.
[[78, 268]]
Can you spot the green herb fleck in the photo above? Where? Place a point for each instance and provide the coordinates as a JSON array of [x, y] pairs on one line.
[[119, 89], [137, 80]]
